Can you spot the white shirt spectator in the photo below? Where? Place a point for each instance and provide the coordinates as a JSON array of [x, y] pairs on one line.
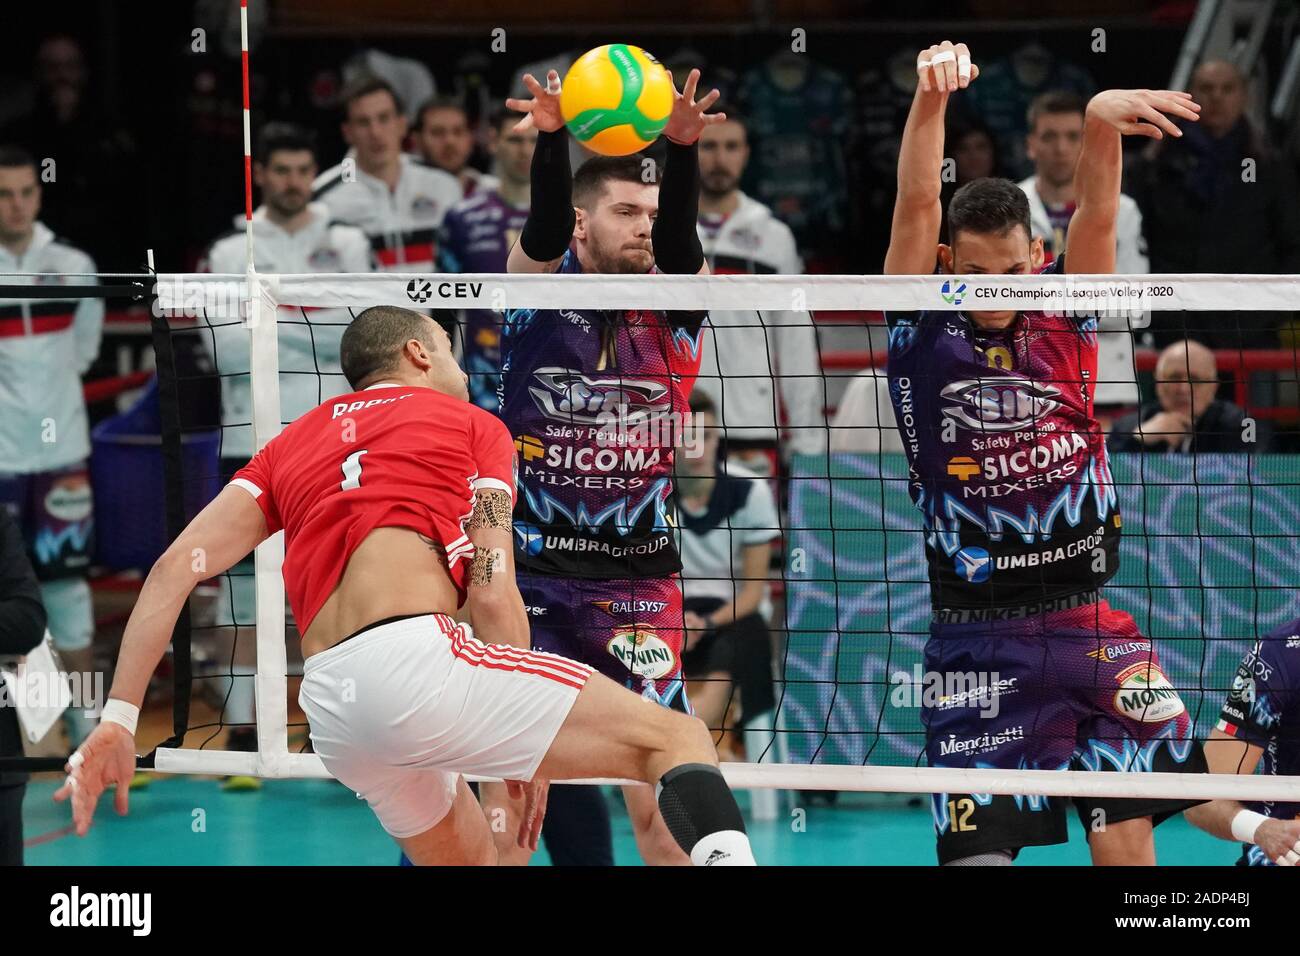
[[402, 224], [46, 345], [864, 421], [746, 353], [741, 512], [309, 353], [1116, 375]]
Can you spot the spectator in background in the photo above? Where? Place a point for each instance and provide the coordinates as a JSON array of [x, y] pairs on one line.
[[1053, 144], [88, 179], [727, 523], [22, 627], [1186, 417], [476, 237], [445, 141], [973, 154], [291, 234], [397, 201], [1007, 86], [1219, 199], [864, 421], [46, 345], [754, 362]]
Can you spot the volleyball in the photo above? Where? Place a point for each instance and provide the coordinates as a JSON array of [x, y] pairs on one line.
[[616, 99]]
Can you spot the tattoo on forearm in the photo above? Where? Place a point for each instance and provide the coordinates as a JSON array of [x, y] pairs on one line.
[[486, 562], [491, 510]]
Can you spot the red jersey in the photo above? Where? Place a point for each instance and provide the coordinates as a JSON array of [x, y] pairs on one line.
[[389, 457]]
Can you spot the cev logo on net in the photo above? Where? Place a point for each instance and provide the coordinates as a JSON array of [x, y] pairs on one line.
[[953, 292]]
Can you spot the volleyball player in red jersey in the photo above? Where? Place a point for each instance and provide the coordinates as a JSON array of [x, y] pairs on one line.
[[396, 504]]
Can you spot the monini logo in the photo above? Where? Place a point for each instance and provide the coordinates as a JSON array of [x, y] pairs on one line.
[[953, 291], [1146, 695], [642, 651]]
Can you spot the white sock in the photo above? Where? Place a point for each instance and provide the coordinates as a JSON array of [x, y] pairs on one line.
[[724, 848]]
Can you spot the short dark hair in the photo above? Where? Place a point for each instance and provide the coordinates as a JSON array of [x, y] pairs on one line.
[[592, 176], [373, 342], [701, 404], [988, 206], [364, 85], [1054, 102], [12, 157], [501, 115], [731, 110], [287, 136], [441, 103]]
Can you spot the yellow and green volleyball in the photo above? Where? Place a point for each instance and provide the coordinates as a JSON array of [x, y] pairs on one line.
[[616, 99]]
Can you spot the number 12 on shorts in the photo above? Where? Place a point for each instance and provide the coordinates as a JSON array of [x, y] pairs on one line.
[[352, 470], [959, 812]]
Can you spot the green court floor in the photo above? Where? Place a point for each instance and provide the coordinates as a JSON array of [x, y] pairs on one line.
[[181, 820]]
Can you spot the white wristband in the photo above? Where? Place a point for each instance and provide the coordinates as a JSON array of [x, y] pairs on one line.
[[1245, 824], [120, 712]]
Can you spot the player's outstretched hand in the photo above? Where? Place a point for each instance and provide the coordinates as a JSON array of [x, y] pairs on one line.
[[105, 758], [530, 823], [543, 110], [945, 67], [1143, 112], [1280, 839], [688, 118]]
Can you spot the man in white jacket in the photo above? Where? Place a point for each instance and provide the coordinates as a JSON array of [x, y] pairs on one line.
[[1053, 143], [756, 361], [397, 201], [46, 345]]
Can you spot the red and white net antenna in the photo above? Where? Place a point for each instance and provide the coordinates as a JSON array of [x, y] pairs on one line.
[[248, 137]]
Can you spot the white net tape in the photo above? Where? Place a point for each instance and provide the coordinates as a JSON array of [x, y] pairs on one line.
[[226, 296]]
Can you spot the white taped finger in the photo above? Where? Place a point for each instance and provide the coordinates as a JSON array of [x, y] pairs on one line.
[[553, 85], [943, 56], [71, 782], [1291, 859], [963, 66], [76, 760], [923, 64]]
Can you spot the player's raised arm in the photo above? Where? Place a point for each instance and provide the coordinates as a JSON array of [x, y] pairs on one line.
[[218, 537], [914, 236], [1112, 114], [549, 227], [675, 236]]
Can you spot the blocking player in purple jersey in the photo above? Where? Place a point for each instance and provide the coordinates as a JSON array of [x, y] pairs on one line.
[[477, 236], [1008, 467], [1259, 727], [596, 400]]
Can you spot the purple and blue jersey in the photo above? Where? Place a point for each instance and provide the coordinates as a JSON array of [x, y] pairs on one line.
[[1263, 708], [477, 236], [1006, 462], [595, 400]]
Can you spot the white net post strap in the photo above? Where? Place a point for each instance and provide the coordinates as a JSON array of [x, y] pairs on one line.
[[270, 683], [753, 776]]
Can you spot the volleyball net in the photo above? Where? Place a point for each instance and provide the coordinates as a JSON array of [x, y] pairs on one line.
[[1207, 555]]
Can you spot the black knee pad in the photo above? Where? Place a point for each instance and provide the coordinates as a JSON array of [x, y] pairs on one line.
[[695, 801]]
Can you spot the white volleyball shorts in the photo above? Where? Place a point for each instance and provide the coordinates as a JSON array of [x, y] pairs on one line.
[[401, 709]]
